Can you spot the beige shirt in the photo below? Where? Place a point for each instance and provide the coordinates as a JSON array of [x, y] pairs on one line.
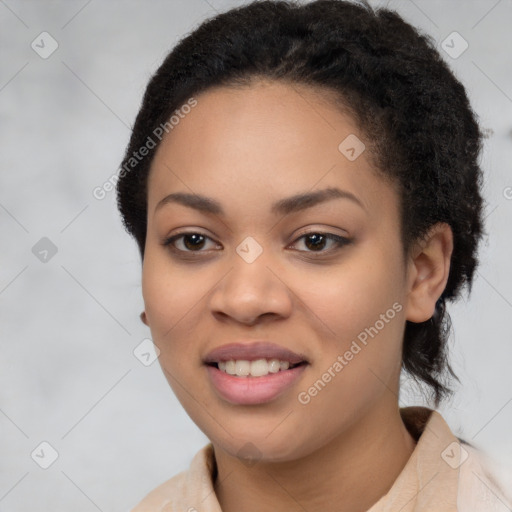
[[443, 474]]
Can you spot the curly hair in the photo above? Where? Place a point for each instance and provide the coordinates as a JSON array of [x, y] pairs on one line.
[[422, 131]]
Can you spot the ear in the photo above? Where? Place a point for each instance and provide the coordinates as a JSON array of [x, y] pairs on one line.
[[428, 270], [144, 318]]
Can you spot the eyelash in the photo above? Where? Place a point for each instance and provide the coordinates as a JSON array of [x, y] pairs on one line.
[[339, 242]]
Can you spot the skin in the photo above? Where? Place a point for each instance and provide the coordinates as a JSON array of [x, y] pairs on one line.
[[247, 148]]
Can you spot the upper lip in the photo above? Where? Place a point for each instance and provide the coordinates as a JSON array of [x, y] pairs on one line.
[[251, 351]]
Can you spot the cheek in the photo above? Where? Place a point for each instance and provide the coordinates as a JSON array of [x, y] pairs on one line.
[[353, 295], [362, 305], [171, 297]]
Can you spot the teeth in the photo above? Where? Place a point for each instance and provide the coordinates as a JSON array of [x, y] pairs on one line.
[[257, 368]]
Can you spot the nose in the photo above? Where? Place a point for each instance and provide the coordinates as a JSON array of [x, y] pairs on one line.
[[250, 291]]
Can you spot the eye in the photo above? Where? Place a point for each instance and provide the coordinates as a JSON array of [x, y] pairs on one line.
[[192, 241], [317, 240]]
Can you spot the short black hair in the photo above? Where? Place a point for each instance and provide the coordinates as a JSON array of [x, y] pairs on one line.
[[422, 131]]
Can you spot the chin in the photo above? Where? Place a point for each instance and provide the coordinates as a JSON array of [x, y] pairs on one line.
[[250, 449]]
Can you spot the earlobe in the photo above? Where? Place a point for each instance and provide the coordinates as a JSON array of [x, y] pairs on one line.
[[144, 318], [429, 268]]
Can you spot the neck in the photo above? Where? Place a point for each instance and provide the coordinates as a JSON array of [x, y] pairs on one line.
[[350, 473]]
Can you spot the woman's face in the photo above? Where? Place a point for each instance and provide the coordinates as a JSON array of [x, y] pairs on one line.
[[252, 271]]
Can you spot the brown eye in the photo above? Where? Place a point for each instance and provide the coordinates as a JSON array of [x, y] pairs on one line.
[[193, 241], [190, 242], [316, 241]]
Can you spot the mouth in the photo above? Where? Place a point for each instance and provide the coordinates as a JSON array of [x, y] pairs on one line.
[[256, 372], [261, 367], [250, 389]]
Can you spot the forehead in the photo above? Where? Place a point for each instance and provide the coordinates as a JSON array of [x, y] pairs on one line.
[[259, 143]]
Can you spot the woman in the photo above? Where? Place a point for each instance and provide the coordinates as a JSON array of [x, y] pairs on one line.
[[303, 186]]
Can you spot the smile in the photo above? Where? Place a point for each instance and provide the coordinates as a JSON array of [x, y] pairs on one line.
[[249, 389], [256, 368]]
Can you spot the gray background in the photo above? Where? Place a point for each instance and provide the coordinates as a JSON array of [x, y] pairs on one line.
[[69, 325]]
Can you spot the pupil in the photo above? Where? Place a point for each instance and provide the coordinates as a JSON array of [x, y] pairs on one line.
[[316, 237], [195, 237]]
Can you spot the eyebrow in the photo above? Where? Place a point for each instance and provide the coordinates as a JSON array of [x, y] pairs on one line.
[[284, 206]]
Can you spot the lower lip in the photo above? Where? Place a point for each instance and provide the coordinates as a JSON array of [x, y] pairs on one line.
[[253, 390]]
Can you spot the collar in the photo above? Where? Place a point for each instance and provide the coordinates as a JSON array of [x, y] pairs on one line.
[[430, 478]]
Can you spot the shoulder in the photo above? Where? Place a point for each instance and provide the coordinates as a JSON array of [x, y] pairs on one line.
[[480, 489], [187, 489], [160, 498]]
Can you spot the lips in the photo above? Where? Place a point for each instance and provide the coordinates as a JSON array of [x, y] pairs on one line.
[[250, 351]]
